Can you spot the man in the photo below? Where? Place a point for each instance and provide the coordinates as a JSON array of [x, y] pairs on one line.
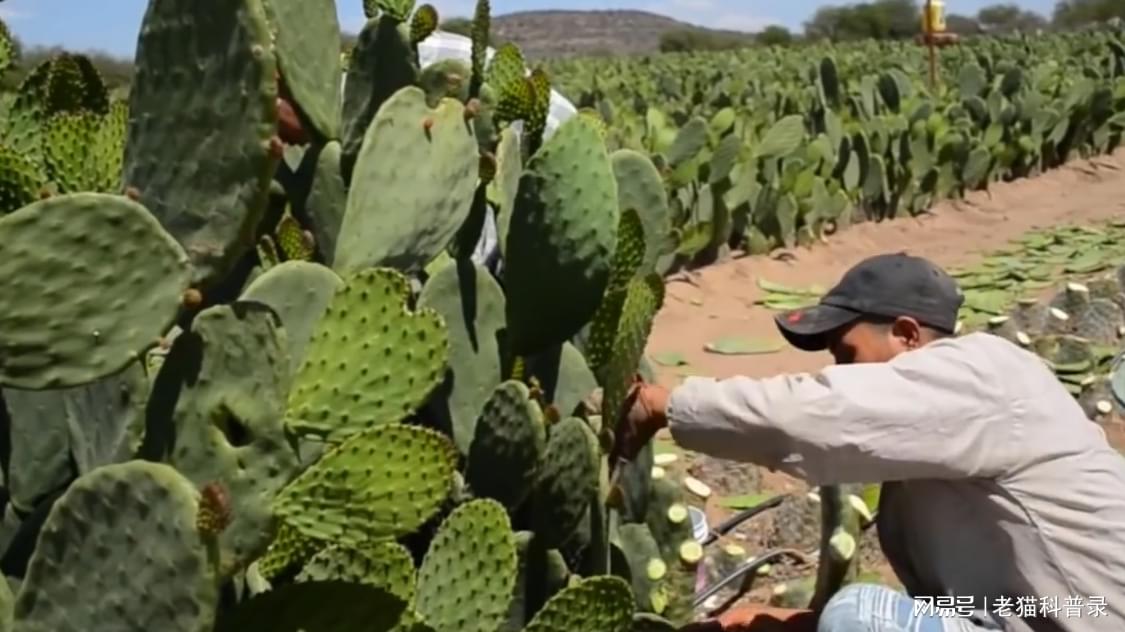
[[440, 46], [996, 487]]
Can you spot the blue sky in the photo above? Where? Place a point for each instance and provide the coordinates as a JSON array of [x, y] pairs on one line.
[[111, 25]]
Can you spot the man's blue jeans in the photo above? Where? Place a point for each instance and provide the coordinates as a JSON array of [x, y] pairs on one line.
[[877, 608]]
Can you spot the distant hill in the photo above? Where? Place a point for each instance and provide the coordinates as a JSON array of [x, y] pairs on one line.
[[549, 33]]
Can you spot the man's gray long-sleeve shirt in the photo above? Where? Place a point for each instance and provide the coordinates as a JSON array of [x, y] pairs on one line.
[[996, 485]]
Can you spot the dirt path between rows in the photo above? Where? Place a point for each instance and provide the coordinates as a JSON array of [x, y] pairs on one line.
[[719, 300]]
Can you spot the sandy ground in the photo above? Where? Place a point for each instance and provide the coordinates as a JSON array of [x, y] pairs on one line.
[[719, 300]]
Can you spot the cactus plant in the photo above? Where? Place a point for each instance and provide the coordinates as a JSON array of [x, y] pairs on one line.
[[329, 415], [231, 370], [299, 292], [202, 145], [433, 174], [138, 511], [60, 244], [471, 304], [563, 227], [335, 393], [350, 498], [508, 446], [455, 592], [307, 39]]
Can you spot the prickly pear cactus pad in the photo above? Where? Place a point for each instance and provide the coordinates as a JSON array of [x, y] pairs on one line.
[[646, 565], [640, 187], [413, 181], [503, 188], [593, 604], [635, 481], [7, 603], [203, 113], [106, 418], [466, 579], [668, 520], [644, 297], [8, 52], [445, 78], [292, 239], [567, 481], [386, 565], [21, 180], [119, 532], [83, 150], [648, 622], [471, 303], [229, 428], [561, 238], [73, 84], [382, 483], [547, 570], [308, 53], [423, 24], [88, 282], [328, 198], [57, 434], [508, 446], [299, 291], [382, 62], [290, 549], [39, 445], [371, 361], [627, 258], [317, 606], [564, 375]]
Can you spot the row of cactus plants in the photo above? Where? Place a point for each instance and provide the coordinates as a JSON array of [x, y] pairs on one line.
[[760, 149], [252, 384]]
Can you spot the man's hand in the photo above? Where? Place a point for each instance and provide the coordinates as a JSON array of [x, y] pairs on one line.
[[643, 416]]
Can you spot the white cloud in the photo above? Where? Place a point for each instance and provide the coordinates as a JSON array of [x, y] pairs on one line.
[[14, 13]]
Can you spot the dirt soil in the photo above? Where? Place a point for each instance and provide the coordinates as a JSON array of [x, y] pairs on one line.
[[718, 301]]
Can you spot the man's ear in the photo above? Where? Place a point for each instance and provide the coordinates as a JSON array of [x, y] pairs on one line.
[[908, 331]]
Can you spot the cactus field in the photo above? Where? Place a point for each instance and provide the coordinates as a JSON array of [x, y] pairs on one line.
[[251, 382], [768, 148]]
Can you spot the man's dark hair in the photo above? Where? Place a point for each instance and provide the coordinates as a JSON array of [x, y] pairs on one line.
[[885, 322]]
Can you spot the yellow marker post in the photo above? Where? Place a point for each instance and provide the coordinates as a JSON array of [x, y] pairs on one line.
[[933, 22]]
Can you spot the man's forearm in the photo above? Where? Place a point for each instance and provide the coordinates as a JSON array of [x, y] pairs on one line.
[[922, 416], [717, 418]]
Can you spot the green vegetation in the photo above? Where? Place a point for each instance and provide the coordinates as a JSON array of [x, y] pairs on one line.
[[689, 39], [765, 148], [1072, 13]]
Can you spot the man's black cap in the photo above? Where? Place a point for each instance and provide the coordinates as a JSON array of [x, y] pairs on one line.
[[891, 286]]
